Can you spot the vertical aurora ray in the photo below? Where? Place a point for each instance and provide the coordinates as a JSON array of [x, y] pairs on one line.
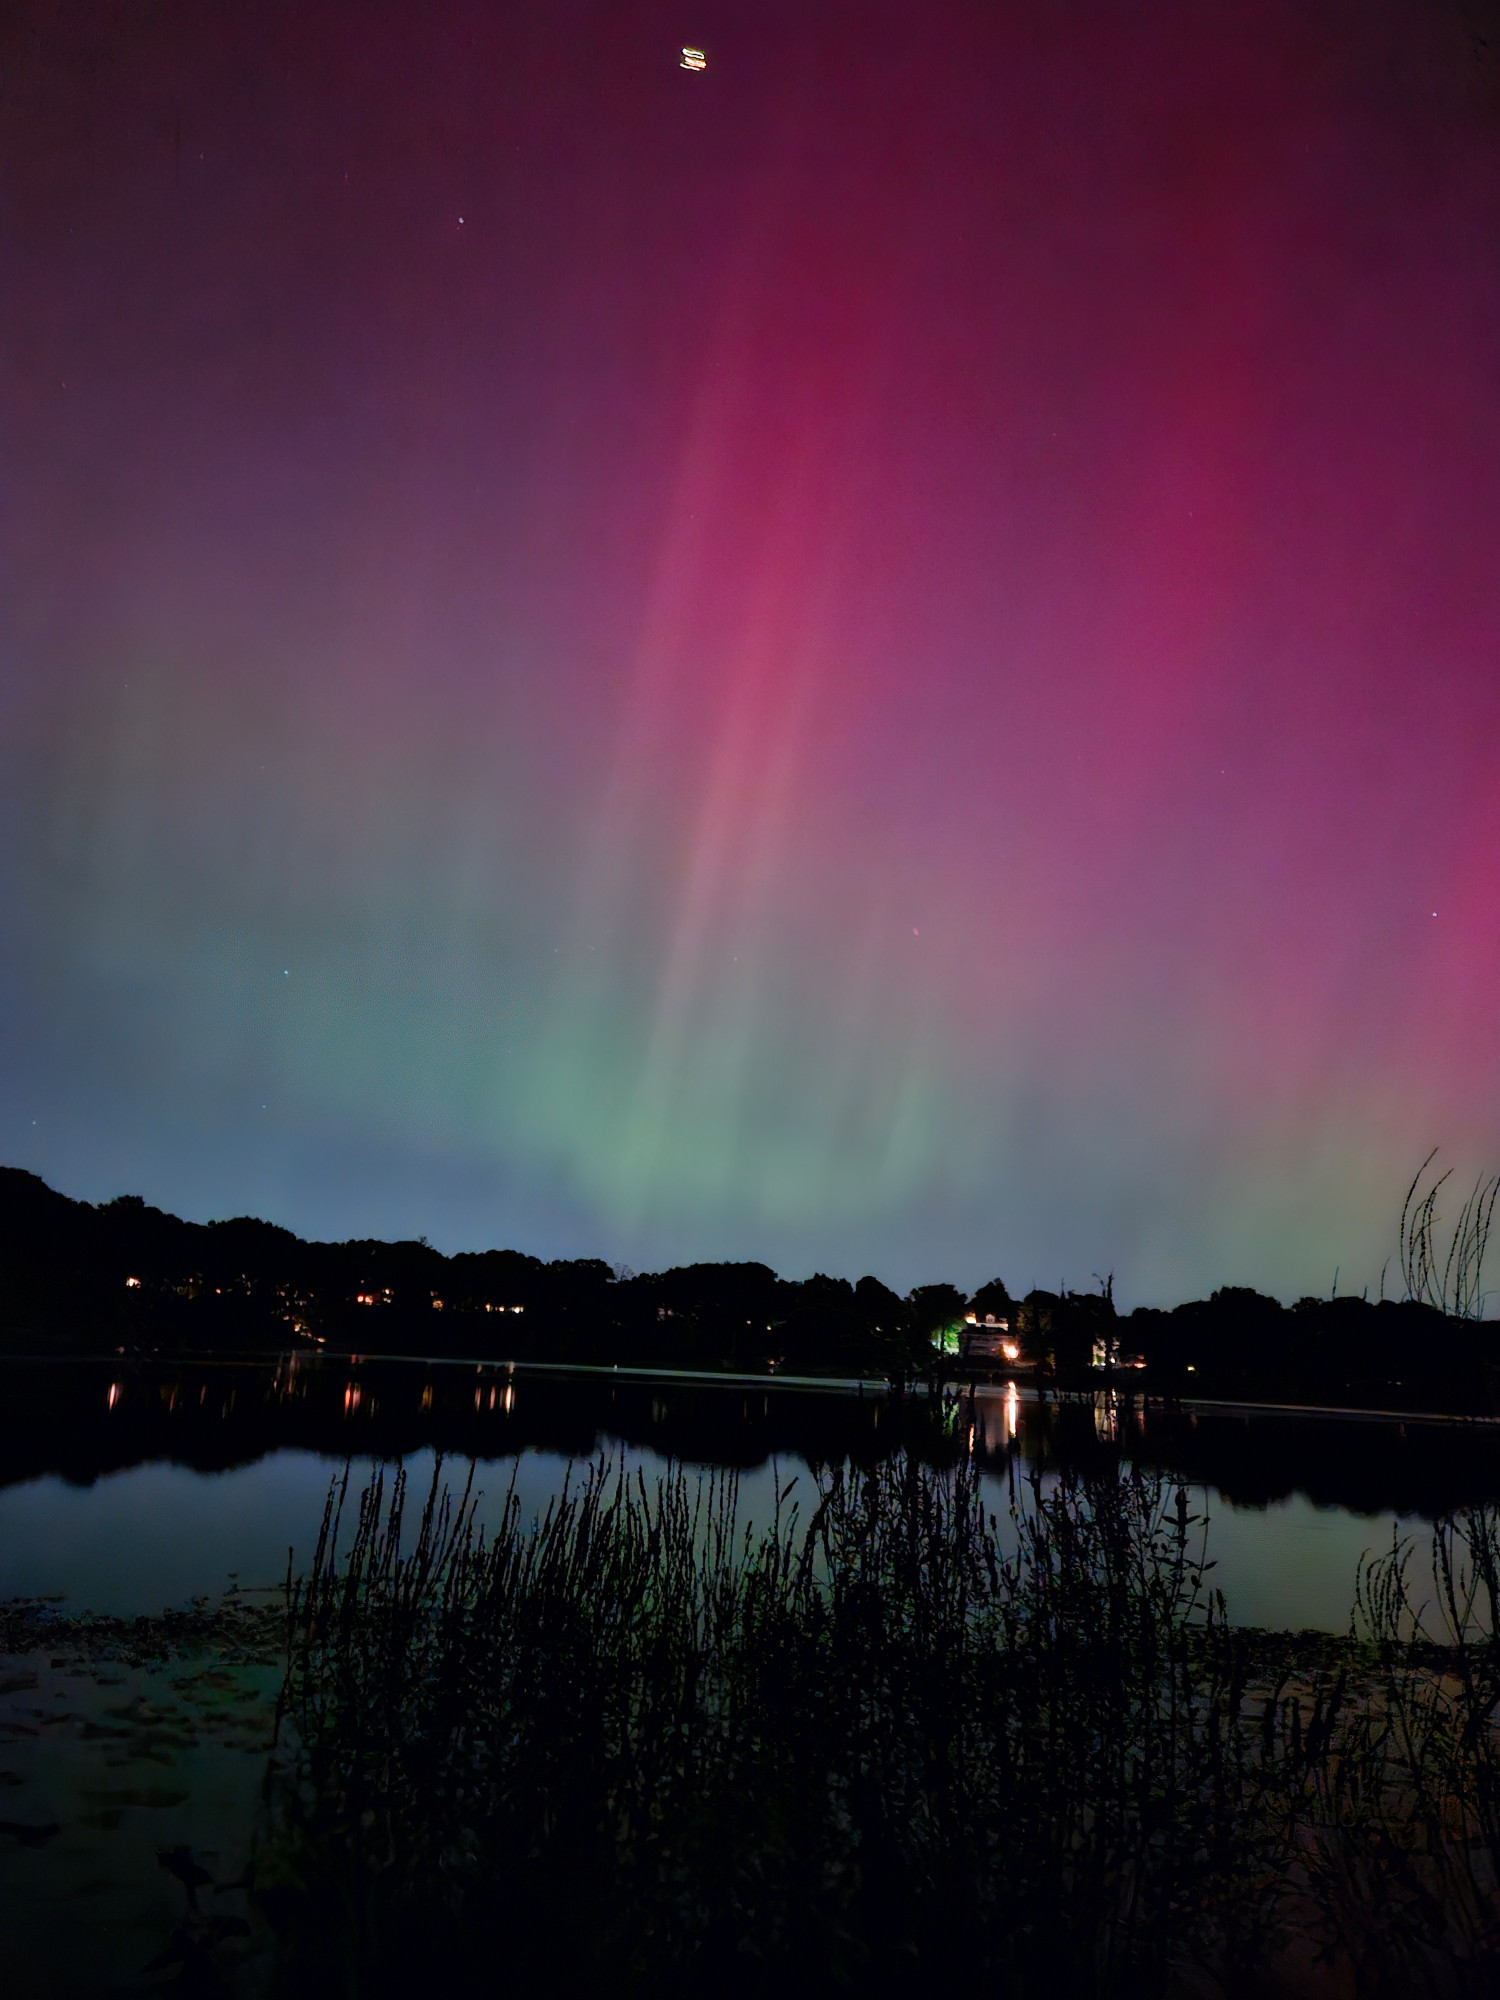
[[715, 1043]]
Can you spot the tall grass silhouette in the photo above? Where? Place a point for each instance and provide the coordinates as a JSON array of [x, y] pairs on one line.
[[1451, 1280], [889, 1738]]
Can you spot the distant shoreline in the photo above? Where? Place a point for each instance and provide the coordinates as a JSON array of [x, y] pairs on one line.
[[1131, 1389], [124, 1276]]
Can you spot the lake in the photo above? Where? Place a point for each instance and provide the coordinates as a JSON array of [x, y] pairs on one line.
[[132, 1758], [130, 1487]]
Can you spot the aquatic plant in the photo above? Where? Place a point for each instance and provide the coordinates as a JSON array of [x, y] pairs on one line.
[[891, 1738], [1449, 1280], [1402, 1808]]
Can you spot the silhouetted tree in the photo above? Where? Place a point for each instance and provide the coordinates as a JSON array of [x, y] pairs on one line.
[[993, 1298], [935, 1309]]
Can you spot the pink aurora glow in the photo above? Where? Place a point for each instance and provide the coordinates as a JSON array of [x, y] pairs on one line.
[[880, 657]]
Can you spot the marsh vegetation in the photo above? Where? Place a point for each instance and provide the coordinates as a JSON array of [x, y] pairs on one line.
[[891, 1737]]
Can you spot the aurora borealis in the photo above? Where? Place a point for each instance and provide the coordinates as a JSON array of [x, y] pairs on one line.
[[882, 658]]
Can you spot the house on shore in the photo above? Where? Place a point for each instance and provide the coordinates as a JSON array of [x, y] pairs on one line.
[[988, 1339]]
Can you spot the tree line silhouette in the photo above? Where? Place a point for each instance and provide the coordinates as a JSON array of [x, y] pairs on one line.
[[122, 1275]]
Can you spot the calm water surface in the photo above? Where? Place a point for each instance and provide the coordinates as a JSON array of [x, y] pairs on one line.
[[133, 1488], [126, 1489]]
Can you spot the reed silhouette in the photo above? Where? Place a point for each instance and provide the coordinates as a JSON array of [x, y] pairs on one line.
[[891, 1738], [1450, 1281]]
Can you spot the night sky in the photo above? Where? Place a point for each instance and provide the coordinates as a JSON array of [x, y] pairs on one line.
[[883, 657]]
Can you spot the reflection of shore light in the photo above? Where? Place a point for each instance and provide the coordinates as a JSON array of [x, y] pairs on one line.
[[351, 1397], [693, 59], [1012, 1410], [114, 1394]]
